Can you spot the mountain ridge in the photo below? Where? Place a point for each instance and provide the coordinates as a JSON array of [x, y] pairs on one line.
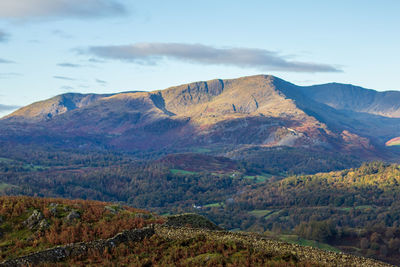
[[258, 110]]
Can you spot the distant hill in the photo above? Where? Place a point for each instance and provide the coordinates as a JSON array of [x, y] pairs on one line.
[[258, 110], [357, 99]]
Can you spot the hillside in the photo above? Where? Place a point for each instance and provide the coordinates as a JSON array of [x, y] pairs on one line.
[[106, 234], [261, 110], [354, 210], [33, 224]]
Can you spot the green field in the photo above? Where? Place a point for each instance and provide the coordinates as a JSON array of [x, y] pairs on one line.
[[178, 171], [294, 239], [6, 160], [260, 213], [259, 178], [213, 205], [362, 207]]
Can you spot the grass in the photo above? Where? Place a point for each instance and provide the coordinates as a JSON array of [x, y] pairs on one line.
[[259, 178], [201, 150], [6, 160], [178, 171], [216, 204], [26, 166], [272, 213], [361, 207], [260, 213], [294, 239]]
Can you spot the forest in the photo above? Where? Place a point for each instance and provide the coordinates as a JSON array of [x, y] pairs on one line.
[[353, 210]]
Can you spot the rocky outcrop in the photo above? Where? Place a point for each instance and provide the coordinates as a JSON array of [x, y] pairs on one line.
[[36, 219], [72, 216], [61, 253]]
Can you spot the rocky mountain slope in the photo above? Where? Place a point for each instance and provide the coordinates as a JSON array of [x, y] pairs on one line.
[[257, 111]]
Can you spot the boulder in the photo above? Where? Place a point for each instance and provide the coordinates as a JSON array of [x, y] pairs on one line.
[[34, 219]]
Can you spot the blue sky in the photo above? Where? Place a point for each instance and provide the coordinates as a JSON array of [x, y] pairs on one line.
[[49, 47]]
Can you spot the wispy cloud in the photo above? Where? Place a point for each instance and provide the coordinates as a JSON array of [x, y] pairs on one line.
[[66, 88], [94, 60], [64, 78], [61, 34], [69, 65], [101, 82], [5, 75], [28, 9], [151, 53], [7, 107], [4, 36], [5, 61]]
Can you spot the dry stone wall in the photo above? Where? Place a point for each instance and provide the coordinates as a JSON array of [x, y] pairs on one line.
[[61, 253]]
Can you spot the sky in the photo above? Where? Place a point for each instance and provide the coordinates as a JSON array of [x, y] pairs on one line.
[[51, 47]]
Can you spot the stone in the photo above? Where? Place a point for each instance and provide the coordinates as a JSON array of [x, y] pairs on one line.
[[43, 225], [53, 211], [34, 219], [72, 216]]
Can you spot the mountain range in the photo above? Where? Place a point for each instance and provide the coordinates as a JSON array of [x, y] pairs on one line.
[[254, 111]]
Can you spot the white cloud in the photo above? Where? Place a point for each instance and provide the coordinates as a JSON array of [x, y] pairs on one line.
[[5, 61], [64, 78], [69, 65], [151, 53], [27, 9]]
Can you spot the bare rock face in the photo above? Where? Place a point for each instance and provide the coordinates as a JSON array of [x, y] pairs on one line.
[[72, 216], [34, 220]]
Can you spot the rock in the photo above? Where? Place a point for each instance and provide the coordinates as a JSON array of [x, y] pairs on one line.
[[53, 208], [72, 216], [43, 225], [53, 211], [61, 253], [34, 219]]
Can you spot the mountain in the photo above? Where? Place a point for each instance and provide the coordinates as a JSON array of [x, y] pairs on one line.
[[357, 99], [260, 110]]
